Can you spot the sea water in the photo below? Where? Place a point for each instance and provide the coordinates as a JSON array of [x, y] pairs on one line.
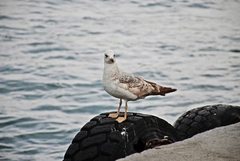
[[51, 64]]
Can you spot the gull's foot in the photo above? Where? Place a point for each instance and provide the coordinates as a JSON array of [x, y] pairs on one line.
[[120, 119], [113, 115]]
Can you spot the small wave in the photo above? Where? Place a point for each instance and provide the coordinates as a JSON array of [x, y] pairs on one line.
[[60, 57], [17, 85], [156, 5], [198, 5], [212, 75], [44, 50], [94, 84], [36, 12], [9, 68], [12, 28], [175, 63], [28, 151], [3, 17], [39, 27], [207, 87], [5, 146], [124, 32], [47, 108], [51, 22], [170, 47], [231, 38], [40, 43], [235, 50], [209, 49], [93, 32], [89, 18], [13, 121], [40, 135], [9, 38], [91, 109], [217, 68], [235, 65], [184, 78]]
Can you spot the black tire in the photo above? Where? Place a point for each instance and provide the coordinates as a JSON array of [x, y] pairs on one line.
[[205, 118], [104, 139]]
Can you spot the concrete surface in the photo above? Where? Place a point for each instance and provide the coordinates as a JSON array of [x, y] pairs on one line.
[[221, 144]]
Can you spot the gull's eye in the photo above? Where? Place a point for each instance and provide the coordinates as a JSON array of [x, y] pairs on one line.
[[106, 55], [114, 55]]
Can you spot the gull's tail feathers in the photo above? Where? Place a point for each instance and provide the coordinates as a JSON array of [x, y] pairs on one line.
[[160, 90], [165, 90]]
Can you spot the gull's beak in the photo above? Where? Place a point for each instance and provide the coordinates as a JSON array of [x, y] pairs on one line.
[[112, 60]]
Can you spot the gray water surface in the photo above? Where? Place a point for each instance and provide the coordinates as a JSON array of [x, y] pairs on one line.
[[51, 63]]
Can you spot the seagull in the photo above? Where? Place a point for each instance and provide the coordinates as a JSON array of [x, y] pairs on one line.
[[125, 86]]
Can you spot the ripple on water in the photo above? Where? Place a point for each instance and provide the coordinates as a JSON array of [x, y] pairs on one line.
[[198, 5], [4, 17], [93, 109], [41, 43], [45, 50], [60, 57], [212, 75], [12, 28], [17, 86], [235, 50], [7, 121], [47, 108], [208, 87]]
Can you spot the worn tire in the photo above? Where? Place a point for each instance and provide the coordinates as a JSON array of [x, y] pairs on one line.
[[105, 139], [205, 118]]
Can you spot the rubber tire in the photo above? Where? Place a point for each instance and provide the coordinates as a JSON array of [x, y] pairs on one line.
[[205, 118], [105, 139]]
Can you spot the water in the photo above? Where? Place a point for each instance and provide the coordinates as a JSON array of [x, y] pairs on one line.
[[51, 63]]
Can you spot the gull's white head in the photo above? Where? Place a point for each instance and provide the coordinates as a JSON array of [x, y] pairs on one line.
[[109, 57]]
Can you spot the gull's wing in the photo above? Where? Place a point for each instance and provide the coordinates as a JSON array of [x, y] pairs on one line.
[[136, 85], [140, 87]]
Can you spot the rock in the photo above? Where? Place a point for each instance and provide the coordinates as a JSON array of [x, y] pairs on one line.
[[222, 144]]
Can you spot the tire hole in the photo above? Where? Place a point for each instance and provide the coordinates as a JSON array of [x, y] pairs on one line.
[[139, 146]]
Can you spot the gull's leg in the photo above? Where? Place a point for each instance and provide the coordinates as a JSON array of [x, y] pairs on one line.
[[121, 119], [115, 115]]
